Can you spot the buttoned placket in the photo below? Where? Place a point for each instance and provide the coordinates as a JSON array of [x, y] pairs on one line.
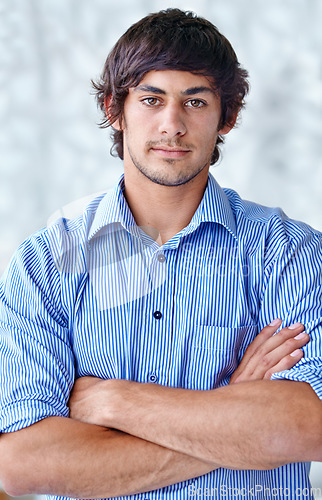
[[159, 315]]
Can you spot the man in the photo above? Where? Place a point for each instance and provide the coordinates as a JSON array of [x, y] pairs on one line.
[[149, 306]]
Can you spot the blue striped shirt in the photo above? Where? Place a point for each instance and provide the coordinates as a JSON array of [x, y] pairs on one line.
[[97, 296]]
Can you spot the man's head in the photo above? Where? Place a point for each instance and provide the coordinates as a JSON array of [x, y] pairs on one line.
[[171, 40]]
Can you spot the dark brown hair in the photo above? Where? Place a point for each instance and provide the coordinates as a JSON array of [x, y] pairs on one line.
[[175, 40]]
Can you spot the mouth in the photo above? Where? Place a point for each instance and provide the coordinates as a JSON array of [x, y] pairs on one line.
[[170, 152]]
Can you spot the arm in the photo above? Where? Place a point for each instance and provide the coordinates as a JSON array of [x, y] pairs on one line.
[[101, 462], [52, 454], [64, 457], [258, 424], [252, 425]]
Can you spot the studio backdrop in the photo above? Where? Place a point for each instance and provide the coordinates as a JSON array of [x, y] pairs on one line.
[[54, 156]]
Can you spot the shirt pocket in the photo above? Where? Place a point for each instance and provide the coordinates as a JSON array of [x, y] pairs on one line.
[[215, 353]]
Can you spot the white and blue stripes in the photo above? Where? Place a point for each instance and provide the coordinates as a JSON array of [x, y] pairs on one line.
[[97, 296]]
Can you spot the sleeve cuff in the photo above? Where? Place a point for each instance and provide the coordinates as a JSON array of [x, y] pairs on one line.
[[303, 374], [25, 413]]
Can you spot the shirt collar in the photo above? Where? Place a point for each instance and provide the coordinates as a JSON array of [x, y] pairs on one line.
[[215, 207], [113, 209]]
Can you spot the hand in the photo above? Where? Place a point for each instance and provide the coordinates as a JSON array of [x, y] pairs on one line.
[[92, 399], [85, 401], [269, 353]]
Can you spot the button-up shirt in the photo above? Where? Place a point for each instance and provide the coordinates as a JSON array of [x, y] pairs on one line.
[[97, 296]]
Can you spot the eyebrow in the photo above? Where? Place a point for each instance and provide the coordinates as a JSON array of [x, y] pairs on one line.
[[187, 92]]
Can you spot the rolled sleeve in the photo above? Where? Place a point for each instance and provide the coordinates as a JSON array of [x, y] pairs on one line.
[[310, 373], [36, 360], [295, 288], [309, 368]]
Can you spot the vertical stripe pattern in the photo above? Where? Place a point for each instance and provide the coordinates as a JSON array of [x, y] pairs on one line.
[[97, 296]]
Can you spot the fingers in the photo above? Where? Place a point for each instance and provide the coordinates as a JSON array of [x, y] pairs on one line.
[[265, 334], [270, 353], [285, 363], [282, 344]]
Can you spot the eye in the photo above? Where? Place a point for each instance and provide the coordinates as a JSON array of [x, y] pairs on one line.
[[195, 103], [151, 101]]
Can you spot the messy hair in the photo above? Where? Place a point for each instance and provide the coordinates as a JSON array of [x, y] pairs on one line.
[[170, 40]]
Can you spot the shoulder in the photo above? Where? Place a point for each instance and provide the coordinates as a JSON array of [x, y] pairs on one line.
[[272, 226], [248, 211], [60, 245]]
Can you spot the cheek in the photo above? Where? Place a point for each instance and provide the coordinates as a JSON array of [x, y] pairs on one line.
[[134, 138], [206, 129], [208, 139]]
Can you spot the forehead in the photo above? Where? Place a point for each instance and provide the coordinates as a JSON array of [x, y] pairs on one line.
[[172, 81]]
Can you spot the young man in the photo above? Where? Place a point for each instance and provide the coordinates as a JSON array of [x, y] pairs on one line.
[[144, 319]]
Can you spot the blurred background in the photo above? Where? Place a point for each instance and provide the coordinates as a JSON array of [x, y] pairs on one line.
[[54, 156]]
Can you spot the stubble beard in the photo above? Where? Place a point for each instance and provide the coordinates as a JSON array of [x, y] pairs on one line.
[[182, 177]]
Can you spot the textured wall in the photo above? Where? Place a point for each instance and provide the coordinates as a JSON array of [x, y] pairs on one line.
[[52, 152]]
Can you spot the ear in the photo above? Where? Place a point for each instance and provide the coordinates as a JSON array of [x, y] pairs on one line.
[[229, 125], [117, 125], [107, 105]]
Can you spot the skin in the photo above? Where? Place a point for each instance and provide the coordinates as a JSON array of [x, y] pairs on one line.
[[166, 147], [166, 163], [218, 426], [80, 457], [167, 158]]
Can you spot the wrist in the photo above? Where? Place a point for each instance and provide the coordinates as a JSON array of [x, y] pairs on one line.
[[118, 402]]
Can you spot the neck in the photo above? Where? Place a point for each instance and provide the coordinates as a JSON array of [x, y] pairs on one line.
[[163, 211]]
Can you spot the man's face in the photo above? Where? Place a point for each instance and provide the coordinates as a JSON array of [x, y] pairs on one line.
[[170, 127]]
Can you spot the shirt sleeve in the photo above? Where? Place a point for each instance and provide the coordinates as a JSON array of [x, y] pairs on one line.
[[309, 369], [294, 288], [36, 360]]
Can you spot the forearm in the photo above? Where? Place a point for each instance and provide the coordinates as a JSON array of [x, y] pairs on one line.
[[65, 457], [253, 425]]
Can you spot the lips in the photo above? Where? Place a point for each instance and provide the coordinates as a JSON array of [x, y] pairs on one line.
[[170, 152]]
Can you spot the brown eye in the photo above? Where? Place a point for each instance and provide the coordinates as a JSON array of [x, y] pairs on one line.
[[195, 103], [151, 101]]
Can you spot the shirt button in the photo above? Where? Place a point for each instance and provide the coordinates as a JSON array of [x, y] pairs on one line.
[[161, 257], [153, 378], [157, 315]]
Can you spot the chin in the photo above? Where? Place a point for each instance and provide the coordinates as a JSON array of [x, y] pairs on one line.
[[169, 181]]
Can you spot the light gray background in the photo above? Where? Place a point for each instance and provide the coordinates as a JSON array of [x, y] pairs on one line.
[[52, 152]]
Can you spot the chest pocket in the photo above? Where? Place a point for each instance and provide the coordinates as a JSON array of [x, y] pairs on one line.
[[215, 354]]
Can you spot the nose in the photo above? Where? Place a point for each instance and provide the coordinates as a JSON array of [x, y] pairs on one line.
[[172, 122]]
